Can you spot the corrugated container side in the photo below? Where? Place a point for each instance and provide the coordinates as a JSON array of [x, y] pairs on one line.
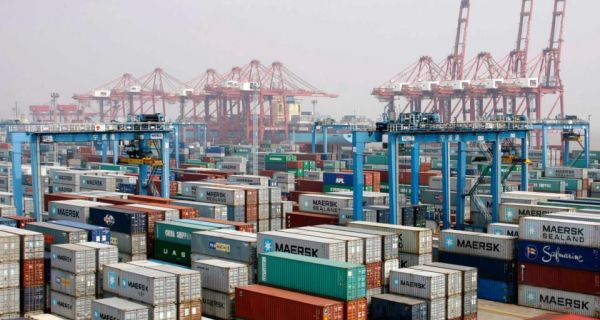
[[74, 258], [388, 265], [571, 280], [148, 286], [163, 311], [75, 285], [559, 301], [118, 309], [33, 299], [410, 239], [10, 274], [478, 244], [9, 302], [408, 260], [577, 233], [32, 273], [189, 282], [223, 245], [222, 275], [559, 255], [130, 243], [454, 279], [190, 310], [105, 253], [276, 241], [265, 303], [469, 274], [70, 307], [487, 268], [416, 283], [217, 304], [390, 306], [354, 245], [499, 291]]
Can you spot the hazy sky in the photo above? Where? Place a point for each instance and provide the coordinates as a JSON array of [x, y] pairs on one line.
[[341, 46]]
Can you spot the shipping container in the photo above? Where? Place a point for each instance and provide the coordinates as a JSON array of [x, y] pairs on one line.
[[75, 285], [303, 219], [323, 203], [354, 246], [8, 222], [185, 212], [240, 246], [559, 301], [408, 260], [565, 172], [124, 257], [371, 243], [469, 274], [257, 302], [178, 232], [206, 210], [220, 195], [504, 229], [391, 307], [577, 216], [119, 220], [10, 275], [118, 309], [72, 210], [337, 280], [70, 307], [73, 258], [388, 265], [578, 233], [11, 245], [581, 281], [454, 279], [189, 282], [20, 220], [31, 242], [190, 310], [33, 299], [317, 247], [499, 291], [32, 272], [559, 255], [105, 254], [410, 239], [240, 226], [95, 233], [217, 304], [57, 234], [417, 283], [169, 213], [478, 244], [222, 275], [389, 240], [141, 284], [487, 268], [132, 244], [9, 303]]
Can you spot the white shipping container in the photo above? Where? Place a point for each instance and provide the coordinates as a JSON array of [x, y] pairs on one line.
[[371, 243], [141, 284], [478, 244], [279, 241], [73, 210], [408, 260], [577, 216], [234, 167], [417, 283], [469, 274], [454, 281], [170, 214], [504, 229], [354, 246], [326, 204], [105, 253], [566, 172], [70, 307], [410, 239], [75, 285], [132, 244], [10, 274], [10, 247], [189, 282], [73, 258], [9, 302], [512, 212], [577, 233], [218, 195], [93, 182], [118, 309], [389, 265], [559, 301], [249, 180], [31, 242], [454, 306], [436, 309], [217, 304], [163, 312], [222, 275]]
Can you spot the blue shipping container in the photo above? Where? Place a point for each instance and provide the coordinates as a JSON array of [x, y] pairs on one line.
[[493, 269], [127, 187], [498, 291], [339, 178], [8, 222], [236, 211], [559, 255], [276, 166], [95, 233], [215, 150], [119, 220]]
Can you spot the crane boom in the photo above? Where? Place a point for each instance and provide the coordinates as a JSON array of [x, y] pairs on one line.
[[456, 61]]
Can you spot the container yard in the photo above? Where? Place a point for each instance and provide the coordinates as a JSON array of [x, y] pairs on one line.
[[469, 189]]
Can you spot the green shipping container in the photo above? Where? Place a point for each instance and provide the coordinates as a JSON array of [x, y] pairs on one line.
[[280, 157], [111, 167], [172, 252], [570, 184], [535, 174], [321, 277], [376, 159], [338, 187], [547, 185], [177, 232]]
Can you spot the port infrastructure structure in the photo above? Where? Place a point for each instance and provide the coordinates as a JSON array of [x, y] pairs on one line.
[[179, 130], [35, 134], [572, 130], [324, 126], [459, 134]]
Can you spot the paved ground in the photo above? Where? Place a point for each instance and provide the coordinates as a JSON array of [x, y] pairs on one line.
[[490, 310]]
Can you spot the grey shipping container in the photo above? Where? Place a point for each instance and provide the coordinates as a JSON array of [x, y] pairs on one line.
[[323, 203], [275, 210], [9, 302], [31, 242], [504, 229], [233, 246], [170, 214], [478, 244], [274, 195], [166, 311], [469, 274], [560, 301], [71, 307], [217, 304], [417, 283], [389, 240], [10, 247], [306, 245], [410, 239], [189, 282], [206, 210], [408, 260], [388, 265], [57, 234], [220, 195], [73, 210], [512, 212], [577, 216], [354, 245], [105, 253], [454, 281], [124, 257], [222, 275], [73, 258], [141, 284], [118, 309], [75, 285], [103, 183], [129, 243], [566, 172], [9, 274], [371, 243], [578, 233]]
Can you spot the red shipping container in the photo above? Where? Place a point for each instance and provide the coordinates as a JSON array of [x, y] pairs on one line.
[[151, 199], [356, 309], [309, 185], [240, 226], [188, 176], [266, 173], [374, 275], [554, 316], [251, 213], [184, 212], [61, 196], [564, 279], [305, 219], [295, 165], [21, 221], [250, 193], [32, 273], [472, 316], [258, 302], [308, 156]]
